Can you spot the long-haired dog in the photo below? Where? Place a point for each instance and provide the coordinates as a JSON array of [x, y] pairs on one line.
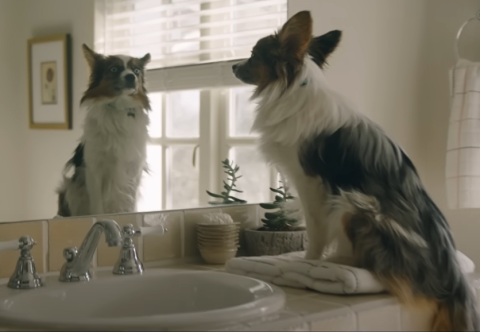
[[109, 161], [357, 187]]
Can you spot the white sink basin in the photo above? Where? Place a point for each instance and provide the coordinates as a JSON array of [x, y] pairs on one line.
[[159, 299]]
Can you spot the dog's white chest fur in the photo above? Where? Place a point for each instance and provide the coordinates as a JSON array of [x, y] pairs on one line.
[[115, 138], [116, 129]]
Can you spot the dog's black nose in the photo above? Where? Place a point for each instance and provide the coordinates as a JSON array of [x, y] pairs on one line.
[[130, 78], [234, 67]]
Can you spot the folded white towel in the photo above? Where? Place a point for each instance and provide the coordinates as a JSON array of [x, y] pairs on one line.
[[293, 270], [463, 145]]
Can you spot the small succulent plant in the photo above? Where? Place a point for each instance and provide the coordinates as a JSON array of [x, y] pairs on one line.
[[281, 219], [231, 170]]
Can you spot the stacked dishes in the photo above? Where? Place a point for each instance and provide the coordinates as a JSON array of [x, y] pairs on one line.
[[218, 242]]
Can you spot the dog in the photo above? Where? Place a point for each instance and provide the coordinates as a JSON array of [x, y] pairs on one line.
[[358, 189], [109, 160]]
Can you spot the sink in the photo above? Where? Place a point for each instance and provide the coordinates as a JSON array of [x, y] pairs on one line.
[[158, 299]]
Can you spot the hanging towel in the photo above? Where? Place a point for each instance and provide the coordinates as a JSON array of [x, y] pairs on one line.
[[463, 145], [293, 270]]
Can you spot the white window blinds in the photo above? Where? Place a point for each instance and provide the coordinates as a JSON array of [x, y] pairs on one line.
[[181, 32]]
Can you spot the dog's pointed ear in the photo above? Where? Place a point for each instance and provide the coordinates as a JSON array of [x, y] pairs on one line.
[[296, 34], [322, 46], [90, 55], [145, 59]]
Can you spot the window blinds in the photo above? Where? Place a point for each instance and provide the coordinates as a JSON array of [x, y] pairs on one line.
[[185, 32]]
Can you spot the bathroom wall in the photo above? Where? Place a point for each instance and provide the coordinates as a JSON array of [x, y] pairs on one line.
[[444, 17], [31, 152], [11, 72], [393, 64], [48, 149], [377, 63]]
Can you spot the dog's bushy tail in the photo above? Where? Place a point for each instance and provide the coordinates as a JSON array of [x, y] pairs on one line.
[[415, 262]]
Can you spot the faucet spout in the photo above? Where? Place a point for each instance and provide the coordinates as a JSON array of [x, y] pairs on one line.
[[77, 266]]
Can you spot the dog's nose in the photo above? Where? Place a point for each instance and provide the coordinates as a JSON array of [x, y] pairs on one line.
[[130, 78], [234, 67]]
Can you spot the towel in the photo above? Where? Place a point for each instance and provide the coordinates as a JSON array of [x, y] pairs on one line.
[[463, 145], [293, 270]]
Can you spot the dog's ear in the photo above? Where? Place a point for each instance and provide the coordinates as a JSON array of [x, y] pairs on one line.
[[146, 59], [295, 35], [322, 46], [90, 55]]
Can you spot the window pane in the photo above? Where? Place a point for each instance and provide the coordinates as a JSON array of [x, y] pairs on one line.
[[255, 181], [182, 177], [150, 193], [183, 113], [155, 127], [242, 112]]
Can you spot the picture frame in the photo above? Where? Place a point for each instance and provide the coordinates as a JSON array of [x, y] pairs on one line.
[[49, 82]]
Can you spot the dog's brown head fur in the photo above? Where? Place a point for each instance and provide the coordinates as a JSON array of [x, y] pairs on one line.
[[112, 76], [281, 56]]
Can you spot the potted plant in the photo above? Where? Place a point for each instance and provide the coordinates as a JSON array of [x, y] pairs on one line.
[[280, 232], [231, 170]]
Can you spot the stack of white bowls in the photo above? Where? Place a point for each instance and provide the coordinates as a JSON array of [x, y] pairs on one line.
[[218, 242]]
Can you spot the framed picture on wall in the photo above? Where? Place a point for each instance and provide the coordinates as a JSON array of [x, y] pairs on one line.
[[49, 82]]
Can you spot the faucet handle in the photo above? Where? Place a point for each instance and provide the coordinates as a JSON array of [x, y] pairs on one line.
[[70, 253], [129, 232], [152, 230], [25, 275], [10, 245], [128, 262]]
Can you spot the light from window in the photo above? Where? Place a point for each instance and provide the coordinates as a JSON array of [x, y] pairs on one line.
[[150, 192], [255, 173], [179, 32], [241, 113], [183, 177], [155, 126], [183, 113]]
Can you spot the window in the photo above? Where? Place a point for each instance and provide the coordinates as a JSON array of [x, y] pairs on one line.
[[201, 114]]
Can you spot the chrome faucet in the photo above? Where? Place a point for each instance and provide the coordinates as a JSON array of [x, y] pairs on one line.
[[25, 275], [78, 261]]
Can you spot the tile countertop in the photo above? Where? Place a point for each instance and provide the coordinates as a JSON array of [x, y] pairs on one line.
[[311, 311]]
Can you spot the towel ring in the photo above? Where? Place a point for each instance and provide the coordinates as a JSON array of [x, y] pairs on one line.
[[455, 45]]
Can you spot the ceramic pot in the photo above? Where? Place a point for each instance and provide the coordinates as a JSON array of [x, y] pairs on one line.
[[261, 243]]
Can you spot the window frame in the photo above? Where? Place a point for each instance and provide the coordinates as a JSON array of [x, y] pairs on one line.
[[214, 80]]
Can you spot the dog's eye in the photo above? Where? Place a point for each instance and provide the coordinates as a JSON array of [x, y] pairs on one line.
[[113, 69], [136, 71]]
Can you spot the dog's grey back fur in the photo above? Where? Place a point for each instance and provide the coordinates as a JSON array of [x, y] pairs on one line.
[[360, 158]]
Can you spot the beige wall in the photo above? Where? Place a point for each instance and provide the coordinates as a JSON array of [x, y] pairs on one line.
[[444, 17], [47, 151], [393, 63], [43, 152], [11, 91], [377, 63]]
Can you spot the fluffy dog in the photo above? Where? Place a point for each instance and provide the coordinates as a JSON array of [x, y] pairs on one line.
[[109, 161], [357, 187]]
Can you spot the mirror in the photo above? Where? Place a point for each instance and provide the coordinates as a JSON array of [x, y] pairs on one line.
[[195, 124]]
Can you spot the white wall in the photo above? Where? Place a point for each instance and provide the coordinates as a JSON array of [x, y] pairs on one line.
[[11, 92], [377, 63], [46, 151], [444, 17], [393, 63]]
